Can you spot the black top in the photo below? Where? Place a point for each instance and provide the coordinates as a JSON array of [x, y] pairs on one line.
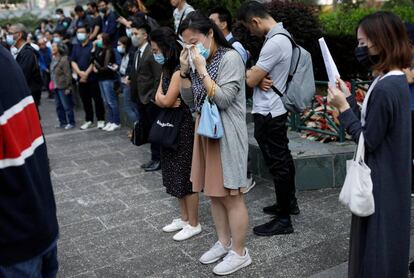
[[28, 59], [102, 59]]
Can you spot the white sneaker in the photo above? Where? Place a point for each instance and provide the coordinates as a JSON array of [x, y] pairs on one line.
[[175, 225], [251, 183], [86, 125], [113, 127], [232, 262], [108, 125], [187, 232], [101, 124], [215, 253]]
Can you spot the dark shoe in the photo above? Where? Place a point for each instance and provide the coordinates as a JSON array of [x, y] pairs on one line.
[[275, 210], [274, 227], [148, 164], [154, 167]]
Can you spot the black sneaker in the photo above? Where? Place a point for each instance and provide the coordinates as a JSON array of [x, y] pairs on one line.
[[275, 210], [148, 164], [155, 166], [274, 227]]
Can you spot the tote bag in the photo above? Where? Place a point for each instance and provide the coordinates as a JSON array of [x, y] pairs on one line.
[[210, 124], [165, 130], [356, 192]]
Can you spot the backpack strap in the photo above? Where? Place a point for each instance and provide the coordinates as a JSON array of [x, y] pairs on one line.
[[181, 19], [290, 76], [232, 40]]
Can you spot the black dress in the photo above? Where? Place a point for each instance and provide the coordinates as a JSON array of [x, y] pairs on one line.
[[379, 246], [176, 164]]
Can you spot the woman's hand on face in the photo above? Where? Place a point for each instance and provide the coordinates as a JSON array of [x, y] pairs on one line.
[[337, 98], [198, 60], [184, 60]]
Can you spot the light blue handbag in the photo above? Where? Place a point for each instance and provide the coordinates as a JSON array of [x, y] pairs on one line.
[[210, 121]]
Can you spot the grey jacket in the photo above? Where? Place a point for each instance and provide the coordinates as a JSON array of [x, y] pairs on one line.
[[61, 73], [231, 101]]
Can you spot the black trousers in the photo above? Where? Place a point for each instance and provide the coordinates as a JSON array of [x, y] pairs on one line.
[[271, 135], [149, 113], [90, 92]]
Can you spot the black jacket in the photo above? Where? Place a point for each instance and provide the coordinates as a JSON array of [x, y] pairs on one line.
[[28, 59], [145, 78]]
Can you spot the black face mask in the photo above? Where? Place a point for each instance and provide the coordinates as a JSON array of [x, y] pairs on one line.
[[363, 57], [102, 10]]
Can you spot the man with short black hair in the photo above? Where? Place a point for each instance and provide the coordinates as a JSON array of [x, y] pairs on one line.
[[97, 20], [224, 21], [27, 58], [109, 21], [182, 9], [63, 22], [145, 77], [83, 19], [87, 82], [270, 115]]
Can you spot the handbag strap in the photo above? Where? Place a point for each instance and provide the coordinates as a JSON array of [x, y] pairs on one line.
[[371, 88], [360, 153]]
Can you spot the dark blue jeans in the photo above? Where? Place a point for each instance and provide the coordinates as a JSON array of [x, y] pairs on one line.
[[111, 100], [64, 107], [44, 265], [130, 107]]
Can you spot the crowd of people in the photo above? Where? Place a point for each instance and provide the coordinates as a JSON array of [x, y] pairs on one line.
[[180, 73]]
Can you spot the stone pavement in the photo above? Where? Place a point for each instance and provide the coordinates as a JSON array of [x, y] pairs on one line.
[[111, 213]]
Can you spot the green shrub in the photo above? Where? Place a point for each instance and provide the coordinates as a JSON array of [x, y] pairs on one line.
[[27, 19], [345, 21]]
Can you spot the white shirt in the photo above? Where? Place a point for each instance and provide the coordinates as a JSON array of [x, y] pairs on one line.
[[142, 49], [275, 58], [178, 14]]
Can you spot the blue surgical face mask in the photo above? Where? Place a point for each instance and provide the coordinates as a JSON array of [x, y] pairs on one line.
[[205, 52], [159, 58], [81, 37], [10, 40], [128, 32], [120, 49], [57, 40]]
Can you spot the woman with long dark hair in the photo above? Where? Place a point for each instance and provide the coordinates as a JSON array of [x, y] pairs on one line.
[[380, 243], [105, 68], [176, 163], [219, 165]]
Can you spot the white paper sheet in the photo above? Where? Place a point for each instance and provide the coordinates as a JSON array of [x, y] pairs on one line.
[[330, 65]]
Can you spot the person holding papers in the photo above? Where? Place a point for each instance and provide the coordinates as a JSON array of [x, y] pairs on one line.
[[379, 245]]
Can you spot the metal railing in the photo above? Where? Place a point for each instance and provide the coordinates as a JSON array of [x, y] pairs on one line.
[[298, 123]]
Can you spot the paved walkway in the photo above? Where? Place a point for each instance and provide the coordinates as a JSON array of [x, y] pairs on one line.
[[111, 213]]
